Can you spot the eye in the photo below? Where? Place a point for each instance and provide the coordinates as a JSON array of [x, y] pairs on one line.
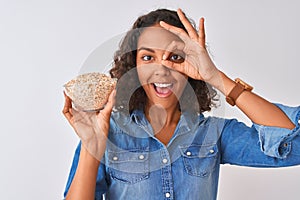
[[147, 58], [176, 58]]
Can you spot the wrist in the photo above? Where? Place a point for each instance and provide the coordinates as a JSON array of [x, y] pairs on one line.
[[238, 89], [222, 83], [87, 158]]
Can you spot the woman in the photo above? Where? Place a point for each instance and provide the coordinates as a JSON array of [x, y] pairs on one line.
[[156, 143]]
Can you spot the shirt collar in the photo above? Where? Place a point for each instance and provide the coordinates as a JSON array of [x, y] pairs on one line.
[[188, 120]]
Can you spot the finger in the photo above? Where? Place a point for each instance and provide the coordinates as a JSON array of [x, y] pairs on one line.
[[75, 115], [173, 66], [201, 32], [177, 31], [188, 26], [82, 116], [71, 111], [67, 106], [172, 48], [185, 68]]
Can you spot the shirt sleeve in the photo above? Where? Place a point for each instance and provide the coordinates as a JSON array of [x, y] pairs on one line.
[[262, 146], [101, 185], [276, 142]]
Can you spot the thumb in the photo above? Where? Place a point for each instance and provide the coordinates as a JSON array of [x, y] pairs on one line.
[[110, 103]]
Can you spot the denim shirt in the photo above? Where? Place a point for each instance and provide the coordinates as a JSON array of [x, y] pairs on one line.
[[136, 165]]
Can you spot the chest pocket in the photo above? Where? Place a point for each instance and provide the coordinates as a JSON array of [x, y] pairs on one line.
[[199, 160], [129, 166]]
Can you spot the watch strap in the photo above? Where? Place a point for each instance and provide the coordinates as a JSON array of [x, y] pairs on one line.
[[235, 93]]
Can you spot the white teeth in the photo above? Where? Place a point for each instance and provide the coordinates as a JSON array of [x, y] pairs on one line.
[[163, 85]]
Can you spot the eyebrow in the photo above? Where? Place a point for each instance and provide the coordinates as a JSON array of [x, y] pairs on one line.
[[145, 48]]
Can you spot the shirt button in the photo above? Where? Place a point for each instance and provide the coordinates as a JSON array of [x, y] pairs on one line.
[[188, 153], [211, 151], [115, 158], [168, 195], [165, 160], [141, 157]]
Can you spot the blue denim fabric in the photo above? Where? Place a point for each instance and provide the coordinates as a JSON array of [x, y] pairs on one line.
[[138, 166]]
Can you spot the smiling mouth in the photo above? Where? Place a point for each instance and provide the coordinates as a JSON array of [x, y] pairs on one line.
[[163, 89]]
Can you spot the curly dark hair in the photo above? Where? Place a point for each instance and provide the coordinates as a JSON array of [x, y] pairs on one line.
[[131, 95]]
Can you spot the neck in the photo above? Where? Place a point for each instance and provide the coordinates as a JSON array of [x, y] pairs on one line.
[[161, 117]]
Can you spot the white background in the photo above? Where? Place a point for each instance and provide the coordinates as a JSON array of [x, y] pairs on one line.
[[43, 44]]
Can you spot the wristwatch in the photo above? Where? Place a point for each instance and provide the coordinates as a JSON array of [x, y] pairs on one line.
[[237, 90]]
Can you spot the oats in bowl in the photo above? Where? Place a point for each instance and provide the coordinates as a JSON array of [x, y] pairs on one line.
[[90, 91]]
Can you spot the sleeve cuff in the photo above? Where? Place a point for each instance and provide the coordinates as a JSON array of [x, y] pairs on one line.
[[276, 142]]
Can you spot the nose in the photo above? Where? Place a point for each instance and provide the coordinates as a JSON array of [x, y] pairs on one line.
[[161, 70]]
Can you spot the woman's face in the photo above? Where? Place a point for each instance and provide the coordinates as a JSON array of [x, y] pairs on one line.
[[162, 85]]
